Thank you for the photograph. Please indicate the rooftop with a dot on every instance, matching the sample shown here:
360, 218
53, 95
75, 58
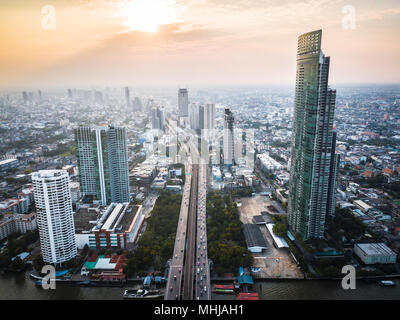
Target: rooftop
116, 217
280, 242
3, 162
85, 219
375, 249
253, 235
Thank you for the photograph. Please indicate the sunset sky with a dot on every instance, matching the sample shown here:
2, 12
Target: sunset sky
192, 42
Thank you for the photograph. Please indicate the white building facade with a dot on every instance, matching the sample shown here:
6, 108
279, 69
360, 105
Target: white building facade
54, 215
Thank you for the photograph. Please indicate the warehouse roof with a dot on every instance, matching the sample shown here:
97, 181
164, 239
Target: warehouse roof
280, 242
259, 220
253, 235
375, 249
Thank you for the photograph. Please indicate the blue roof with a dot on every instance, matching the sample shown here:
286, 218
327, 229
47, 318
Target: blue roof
22, 255
290, 236
61, 273
147, 280
245, 279
328, 253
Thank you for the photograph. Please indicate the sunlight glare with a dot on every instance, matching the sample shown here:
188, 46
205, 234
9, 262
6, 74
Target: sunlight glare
148, 15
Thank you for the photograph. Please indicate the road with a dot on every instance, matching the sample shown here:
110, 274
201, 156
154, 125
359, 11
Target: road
173, 290
202, 287
191, 238
191, 232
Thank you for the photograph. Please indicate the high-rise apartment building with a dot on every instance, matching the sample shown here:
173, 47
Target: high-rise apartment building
137, 104
313, 161
54, 216
201, 117
158, 118
229, 139
183, 103
103, 163
127, 97
209, 116
194, 116
25, 97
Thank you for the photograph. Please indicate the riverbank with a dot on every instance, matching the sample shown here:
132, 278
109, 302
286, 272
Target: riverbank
22, 287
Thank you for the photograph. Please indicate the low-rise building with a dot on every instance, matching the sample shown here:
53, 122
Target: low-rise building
112, 227
268, 163
374, 253
13, 223
8, 164
254, 238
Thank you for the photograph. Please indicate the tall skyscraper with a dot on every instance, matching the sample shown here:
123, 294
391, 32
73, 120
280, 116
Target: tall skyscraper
209, 116
158, 118
25, 97
54, 216
201, 117
333, 176
194, 112
137, 104
312, 170
183, 103
149, 106
98, 97
229, 139
103, 163
127, 97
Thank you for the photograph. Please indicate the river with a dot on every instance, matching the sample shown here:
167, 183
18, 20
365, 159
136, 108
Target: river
22, 287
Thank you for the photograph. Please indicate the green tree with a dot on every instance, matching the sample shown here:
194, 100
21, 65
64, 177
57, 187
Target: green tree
38, 263
5, 261
280, 229
17, 264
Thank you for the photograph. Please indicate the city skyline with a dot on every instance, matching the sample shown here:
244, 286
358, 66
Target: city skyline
200, 150
192, 42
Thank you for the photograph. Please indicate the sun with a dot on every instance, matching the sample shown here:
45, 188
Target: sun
148, 15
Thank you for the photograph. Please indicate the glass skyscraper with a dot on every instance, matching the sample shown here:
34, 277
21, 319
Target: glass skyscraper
313, 169
103, 163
